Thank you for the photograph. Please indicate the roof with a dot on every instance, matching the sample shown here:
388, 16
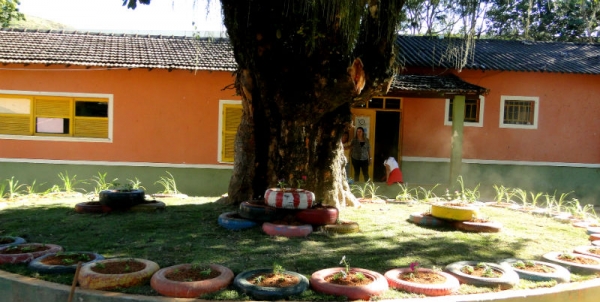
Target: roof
433, 86
115, 50
503, 55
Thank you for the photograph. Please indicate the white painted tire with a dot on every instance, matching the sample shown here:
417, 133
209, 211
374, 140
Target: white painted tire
289, 198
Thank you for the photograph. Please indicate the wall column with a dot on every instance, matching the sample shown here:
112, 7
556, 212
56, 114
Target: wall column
458, 118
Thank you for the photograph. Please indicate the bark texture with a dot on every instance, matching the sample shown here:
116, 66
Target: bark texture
302, 65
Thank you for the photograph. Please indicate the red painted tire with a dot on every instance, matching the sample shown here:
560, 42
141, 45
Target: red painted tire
364, 292
289, 198
194, 289
585, 250
287, 230
426, 220
479, 227
441, 289
343, 227
94, 207
27, 257
92, 280
594, 237
318, 215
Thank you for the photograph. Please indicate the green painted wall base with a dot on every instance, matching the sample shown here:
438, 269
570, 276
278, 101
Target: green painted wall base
190, 181
582, 181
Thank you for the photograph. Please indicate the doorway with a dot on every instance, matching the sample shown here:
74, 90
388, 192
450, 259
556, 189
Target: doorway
387, 141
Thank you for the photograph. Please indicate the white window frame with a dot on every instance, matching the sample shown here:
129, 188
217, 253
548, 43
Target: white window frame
109, 97
220, 130
448, 122
536, 110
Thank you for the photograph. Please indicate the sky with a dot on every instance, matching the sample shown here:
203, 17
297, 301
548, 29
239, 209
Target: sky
168, 16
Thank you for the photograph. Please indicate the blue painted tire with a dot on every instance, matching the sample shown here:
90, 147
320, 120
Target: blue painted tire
15, 240
37, 264
560, 274
268, 293
508, 279
232, 221
426, 220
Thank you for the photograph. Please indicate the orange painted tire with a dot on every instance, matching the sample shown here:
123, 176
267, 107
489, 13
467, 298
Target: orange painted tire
479, 227
289, 198
594, 237
287, 230
440, 289
364, 292
318, 215
94, 207
92, 280
27, 257
585, 250
193, 289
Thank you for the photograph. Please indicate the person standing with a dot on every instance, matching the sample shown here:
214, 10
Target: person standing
360, 154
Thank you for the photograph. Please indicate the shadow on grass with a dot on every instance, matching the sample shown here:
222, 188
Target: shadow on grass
187, 231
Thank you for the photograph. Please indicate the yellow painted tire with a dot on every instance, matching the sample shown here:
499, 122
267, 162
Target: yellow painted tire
451, 212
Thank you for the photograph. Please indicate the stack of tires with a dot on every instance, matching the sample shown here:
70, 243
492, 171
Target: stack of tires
282, 212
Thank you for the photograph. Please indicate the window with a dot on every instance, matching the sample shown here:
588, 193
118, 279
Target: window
519, 112
54, 116
473, 112
383, 103
229, 120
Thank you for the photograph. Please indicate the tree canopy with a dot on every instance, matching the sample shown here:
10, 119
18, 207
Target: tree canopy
9, 11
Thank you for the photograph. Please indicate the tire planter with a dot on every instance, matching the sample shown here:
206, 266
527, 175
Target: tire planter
27, 257
508, 279
258, 211
441, 289
364, 292
37, 264
593, 230
289, 198
242, 284
91, 280
119, 200
560, 274
571, 266
450, 212
92, 207
596, 243
287, 230
149, 206
426, 220
232, 221
193, 289
318, 215
478, 227
594, 237
11, 241
585, 250
343, 227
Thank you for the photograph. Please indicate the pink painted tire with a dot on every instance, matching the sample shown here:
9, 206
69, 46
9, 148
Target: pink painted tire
585, 250
287, 230
594, 237
318, 215
194, 289
92, 280
478, 227
289, 198
441, 289
426, 220
365, 292
27, 257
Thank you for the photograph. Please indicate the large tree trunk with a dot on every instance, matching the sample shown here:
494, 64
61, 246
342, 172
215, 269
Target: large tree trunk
300, 71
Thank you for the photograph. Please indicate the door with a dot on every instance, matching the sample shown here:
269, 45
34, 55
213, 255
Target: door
365, 118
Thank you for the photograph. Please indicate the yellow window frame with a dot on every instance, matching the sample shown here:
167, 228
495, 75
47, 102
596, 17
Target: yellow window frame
231, 117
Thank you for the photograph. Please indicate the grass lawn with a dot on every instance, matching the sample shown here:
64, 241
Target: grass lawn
188, 231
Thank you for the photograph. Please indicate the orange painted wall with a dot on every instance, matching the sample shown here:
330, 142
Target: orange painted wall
159, 116
568, 126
